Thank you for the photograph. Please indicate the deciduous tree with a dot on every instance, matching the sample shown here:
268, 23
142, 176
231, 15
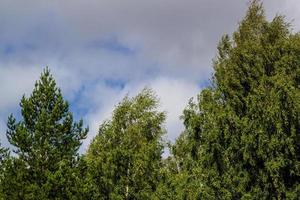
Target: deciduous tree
124, 159
243, 133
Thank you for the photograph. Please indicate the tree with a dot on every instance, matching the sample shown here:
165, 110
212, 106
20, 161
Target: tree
46, 142
180, 170
14, 183
124, 159
242, 135
4, 155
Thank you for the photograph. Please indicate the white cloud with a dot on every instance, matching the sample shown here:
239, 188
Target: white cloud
174, 95
14, 82
172, 44
3, 140
179, 36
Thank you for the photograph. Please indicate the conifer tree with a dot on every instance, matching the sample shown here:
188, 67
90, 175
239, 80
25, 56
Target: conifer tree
243, 133
46, 142
3, 154
3, 158
124, 159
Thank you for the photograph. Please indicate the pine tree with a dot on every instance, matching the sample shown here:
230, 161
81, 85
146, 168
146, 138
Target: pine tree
4, 155
125, 157
46, 141
243, 133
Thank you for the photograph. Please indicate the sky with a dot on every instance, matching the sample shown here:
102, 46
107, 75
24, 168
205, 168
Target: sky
101, 50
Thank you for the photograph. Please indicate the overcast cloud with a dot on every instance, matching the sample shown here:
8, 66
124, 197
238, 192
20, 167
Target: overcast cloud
101, 50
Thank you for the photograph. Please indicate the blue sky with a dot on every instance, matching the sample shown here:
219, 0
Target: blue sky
99, 51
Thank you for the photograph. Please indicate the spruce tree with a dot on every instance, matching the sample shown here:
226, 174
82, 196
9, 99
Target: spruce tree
46, 143
243, 133
124, 159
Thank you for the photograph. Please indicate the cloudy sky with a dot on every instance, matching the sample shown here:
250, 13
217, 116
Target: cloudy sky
101, 50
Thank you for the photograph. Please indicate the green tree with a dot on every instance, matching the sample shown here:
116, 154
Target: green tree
4, 155
178, 173
124, 159
242, 135
46, 143
14, 182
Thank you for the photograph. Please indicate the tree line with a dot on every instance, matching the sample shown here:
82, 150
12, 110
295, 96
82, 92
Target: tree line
241, 137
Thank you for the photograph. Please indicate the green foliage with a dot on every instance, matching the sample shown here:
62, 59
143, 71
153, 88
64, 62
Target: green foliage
124, 159
46, 141
242, 137
4, 156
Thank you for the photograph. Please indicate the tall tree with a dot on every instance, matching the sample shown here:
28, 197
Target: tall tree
124, 159
244, 131
46, 141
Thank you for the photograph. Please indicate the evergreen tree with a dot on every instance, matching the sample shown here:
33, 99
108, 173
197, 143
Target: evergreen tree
124, 159
14, 181
46, 141
3, 154
242, 136
3, 159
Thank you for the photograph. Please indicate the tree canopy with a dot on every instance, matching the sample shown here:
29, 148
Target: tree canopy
45, 140
241, 138
124, 159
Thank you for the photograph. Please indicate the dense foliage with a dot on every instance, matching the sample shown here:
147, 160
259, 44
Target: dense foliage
46, 141
125, 157
241, 137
